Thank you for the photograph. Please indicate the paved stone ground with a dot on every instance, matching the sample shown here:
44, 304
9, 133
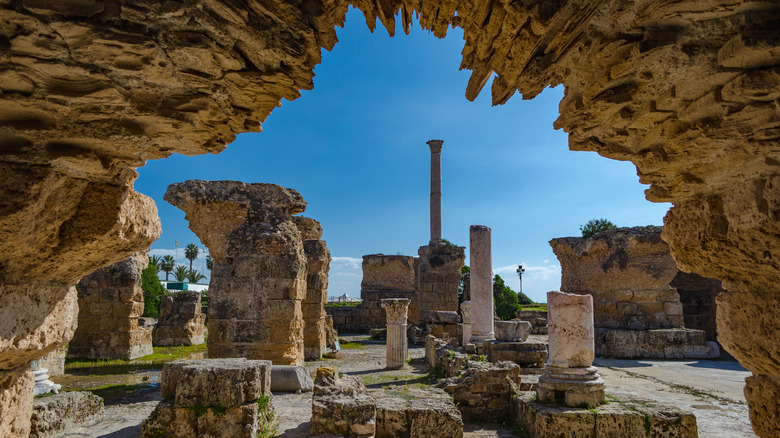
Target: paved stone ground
712, 390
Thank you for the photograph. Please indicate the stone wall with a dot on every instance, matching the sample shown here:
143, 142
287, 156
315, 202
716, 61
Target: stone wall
110, 302
181, 321
685, 90
698, 295
387, 276
258, 278
313, 304
439, 277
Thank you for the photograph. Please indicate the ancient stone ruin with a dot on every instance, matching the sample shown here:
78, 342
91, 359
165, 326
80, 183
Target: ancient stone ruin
396, 309
341, 405
181, 321
313, 304
638, 313
481, 284
684, 90
110, 302
258, 279
210, 398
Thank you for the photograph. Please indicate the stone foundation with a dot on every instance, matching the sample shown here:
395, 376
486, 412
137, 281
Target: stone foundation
525, 354
483, 391
110, 302
341, 406
211, 397
181, 321
258, 280
54, 413
415, 412
615, 420
655, 344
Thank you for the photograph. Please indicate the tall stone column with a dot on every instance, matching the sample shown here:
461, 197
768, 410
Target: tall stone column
481, 284
396, 309
435, 146
569, 377
313, 304
259, 276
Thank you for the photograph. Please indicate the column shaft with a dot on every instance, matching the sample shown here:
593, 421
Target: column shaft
435, 146
481, 284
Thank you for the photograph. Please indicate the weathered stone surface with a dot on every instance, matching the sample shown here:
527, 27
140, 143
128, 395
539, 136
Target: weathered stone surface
655, 344
385, 276
512, 331
438, 278
52, 414
16, 400
168, 420
481, 283
313, 304
290, 378
483, 391
416, 413
615, 420
90, 93
215, 382
537, 319
258, 280
110, 302
181, 321
341, 405
55, 361
440, 317
396, 347
697, 296
525, 354
762, 394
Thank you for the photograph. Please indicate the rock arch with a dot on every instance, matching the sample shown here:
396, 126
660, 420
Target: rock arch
686, 90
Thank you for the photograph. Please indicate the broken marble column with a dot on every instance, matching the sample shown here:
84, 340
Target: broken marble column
396, 309
42, 383
110, 302
258, 278
465, 311
569, 377
435, 146
481, 284
313, 304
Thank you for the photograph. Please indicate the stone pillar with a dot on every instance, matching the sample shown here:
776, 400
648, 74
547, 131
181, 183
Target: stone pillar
313, 305
110, 302
435, 146
259, 275
181, 321
481, 284
396, 309
465, 311
438, 278
569, 377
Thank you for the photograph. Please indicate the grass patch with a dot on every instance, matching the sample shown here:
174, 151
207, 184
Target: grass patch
357, 345
539, 307
155, 360
344, 304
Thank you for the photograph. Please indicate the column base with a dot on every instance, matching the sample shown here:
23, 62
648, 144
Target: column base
573, 387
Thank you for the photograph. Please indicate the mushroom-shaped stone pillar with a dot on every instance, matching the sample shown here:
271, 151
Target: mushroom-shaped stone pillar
396, 309
258, 278
569, 377
481, 284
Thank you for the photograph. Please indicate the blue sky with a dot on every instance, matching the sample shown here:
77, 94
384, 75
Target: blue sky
355, 148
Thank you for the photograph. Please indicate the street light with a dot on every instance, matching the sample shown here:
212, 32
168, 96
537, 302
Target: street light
520, 271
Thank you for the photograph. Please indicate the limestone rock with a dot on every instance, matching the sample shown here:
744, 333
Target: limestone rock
416, 413
290, 378
313, 304
341, 405
483, 391
512, 331
53, 414
439, 277
110, 302
215, 382
181, 321
440, 316
16, 398
258, 280
525, 354
201, 421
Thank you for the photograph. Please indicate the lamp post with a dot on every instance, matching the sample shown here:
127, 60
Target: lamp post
520, 271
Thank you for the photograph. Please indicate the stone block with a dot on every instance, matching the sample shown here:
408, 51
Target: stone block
674, 309
483, 391
512, 331
654, 344
52, 414
290, 378
342, 406
415, 412
215, 382
525, 354
440, 317
168, 420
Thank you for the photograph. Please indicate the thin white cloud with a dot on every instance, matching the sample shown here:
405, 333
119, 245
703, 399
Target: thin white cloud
531, 272
159, 252
346, 263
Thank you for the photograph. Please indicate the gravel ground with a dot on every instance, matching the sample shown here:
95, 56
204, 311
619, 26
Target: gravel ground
709, 389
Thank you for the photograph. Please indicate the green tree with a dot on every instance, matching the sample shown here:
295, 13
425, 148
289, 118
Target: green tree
462, 286
194, 276
594, 226
153, 291
209, 262
505, 299
191, 253
156, 262
167, 264
180, 273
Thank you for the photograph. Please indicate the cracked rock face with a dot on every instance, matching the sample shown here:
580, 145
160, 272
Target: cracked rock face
686, 90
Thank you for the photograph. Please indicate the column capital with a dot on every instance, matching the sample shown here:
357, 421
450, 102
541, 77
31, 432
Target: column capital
396, 309
435, 145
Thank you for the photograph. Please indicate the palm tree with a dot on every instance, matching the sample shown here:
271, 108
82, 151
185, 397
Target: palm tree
156, 262
167, 264
180, 273
194, 276
191, 253
209, 262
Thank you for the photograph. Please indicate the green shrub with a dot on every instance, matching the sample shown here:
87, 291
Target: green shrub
594, 226
153, 291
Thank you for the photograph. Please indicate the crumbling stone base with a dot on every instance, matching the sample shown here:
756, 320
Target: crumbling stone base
211, 397
341, 406
525, 354
615, 420
415, 412
678, 343
571, 386
483, 391
53, 414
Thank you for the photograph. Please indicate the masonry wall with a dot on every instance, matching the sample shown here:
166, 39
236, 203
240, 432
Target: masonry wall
386, 276
439, 278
